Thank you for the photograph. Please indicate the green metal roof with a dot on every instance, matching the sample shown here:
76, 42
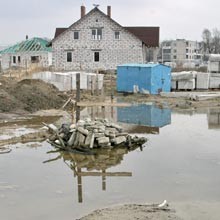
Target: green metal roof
33, 45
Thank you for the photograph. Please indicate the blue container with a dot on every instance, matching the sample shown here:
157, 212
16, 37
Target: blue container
154, 78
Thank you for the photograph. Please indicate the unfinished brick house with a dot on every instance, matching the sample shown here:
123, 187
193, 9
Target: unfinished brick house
97, 42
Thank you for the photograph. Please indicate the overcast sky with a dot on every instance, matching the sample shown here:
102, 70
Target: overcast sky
176, 19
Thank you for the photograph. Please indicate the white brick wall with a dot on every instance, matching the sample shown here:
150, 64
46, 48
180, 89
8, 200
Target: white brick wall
112, 52
7, 59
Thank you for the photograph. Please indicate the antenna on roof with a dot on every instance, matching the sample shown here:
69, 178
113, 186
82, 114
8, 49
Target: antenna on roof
95, 5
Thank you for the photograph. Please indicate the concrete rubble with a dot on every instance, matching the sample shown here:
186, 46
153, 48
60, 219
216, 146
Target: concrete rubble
88, 134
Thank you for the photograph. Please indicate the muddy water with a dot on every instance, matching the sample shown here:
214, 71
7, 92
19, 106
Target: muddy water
180, 163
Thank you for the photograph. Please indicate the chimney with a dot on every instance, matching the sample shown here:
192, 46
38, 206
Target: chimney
109, 11
26, 37
83, 11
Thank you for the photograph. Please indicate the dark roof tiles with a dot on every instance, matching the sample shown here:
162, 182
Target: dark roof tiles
148, 35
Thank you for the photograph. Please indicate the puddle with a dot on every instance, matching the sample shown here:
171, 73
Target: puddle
180, 164
15, 128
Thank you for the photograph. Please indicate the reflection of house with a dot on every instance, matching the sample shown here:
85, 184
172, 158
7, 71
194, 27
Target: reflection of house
147, 115
96, 41
26, 53
214, 118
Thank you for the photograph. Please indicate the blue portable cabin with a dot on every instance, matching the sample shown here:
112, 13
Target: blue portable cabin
154, 78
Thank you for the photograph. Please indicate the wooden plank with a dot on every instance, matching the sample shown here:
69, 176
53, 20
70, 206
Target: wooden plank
122, 174
113, 104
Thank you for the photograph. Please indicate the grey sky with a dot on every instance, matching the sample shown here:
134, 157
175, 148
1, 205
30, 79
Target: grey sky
176, 19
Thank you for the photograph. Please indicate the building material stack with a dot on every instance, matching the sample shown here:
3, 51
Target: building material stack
214, 69
87, 134
185, 80
67, 81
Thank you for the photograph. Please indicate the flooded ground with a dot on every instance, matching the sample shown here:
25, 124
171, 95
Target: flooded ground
179, 163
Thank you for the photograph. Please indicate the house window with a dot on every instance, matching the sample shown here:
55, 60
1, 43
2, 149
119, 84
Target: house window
186, 56
35, 59
69, 57
76, 35
96, 56
117, 35
174, 57
14, 59
19, 59
97, 34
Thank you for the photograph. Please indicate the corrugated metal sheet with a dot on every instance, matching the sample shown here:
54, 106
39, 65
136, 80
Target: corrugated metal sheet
34, 44
152, 78
148, 65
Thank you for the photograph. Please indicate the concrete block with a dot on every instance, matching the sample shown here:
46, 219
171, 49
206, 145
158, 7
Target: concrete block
119, 140
81, 139
83, 131
173, 84
214, 82
186, 84
202, 81
72, 139
103, 140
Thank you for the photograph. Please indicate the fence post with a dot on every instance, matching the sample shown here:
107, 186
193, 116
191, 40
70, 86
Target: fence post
77, 96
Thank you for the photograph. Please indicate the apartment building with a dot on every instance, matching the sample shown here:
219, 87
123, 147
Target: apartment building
181, 52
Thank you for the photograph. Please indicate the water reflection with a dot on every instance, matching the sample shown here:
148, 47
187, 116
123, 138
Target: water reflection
213, 115
214, 118
139, 118
95, 165
144, 118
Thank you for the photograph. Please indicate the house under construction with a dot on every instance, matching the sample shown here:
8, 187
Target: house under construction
31, 52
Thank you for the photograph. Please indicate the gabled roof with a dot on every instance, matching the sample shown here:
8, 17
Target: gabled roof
32, 45
59, 31
148, 35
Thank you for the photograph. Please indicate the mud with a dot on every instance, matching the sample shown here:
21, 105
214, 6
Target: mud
133, 211
28, 96
26, 138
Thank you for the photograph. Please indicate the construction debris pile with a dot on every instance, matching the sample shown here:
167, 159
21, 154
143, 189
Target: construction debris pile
88, 134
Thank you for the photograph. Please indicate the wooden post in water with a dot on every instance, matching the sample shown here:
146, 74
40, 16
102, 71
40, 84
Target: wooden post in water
77, 96
103, 181
79, 183
97, 84
103, 111
93, 85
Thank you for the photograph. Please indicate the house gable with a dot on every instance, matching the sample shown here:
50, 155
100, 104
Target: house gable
96, 42
148, 35
94, 19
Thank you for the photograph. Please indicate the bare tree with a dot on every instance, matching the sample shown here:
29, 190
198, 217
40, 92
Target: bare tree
207, 40
215, 41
